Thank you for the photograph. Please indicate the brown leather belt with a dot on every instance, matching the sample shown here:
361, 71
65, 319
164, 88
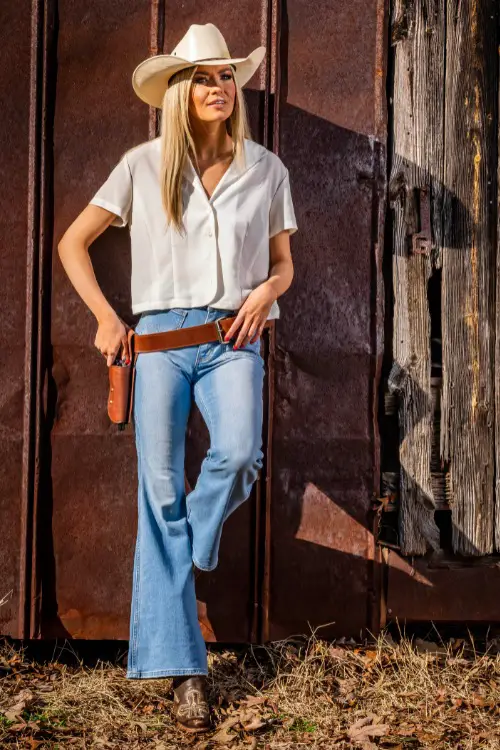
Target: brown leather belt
121, 394
190, 336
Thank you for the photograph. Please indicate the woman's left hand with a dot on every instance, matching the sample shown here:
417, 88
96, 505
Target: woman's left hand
252, 315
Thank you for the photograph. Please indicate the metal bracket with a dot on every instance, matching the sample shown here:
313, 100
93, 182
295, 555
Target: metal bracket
422, 241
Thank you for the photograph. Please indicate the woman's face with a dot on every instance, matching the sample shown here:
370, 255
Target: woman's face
213, 93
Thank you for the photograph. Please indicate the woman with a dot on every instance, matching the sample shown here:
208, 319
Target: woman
210, 214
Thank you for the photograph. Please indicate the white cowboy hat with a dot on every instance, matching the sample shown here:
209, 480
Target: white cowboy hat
200, 44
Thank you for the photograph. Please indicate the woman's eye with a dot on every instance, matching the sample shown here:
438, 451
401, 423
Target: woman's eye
204, 81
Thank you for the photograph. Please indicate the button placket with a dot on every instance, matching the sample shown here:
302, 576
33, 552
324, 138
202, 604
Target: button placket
210, 230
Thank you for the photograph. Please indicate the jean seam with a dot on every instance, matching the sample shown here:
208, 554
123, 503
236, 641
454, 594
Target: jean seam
137, 599
164, 672
206, 568
212, 566
208, 457
211, 431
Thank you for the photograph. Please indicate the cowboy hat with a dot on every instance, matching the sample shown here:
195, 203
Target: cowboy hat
202, 43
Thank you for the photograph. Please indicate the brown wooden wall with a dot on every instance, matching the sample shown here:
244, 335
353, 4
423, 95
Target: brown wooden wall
444, 164
444, 371
301, 552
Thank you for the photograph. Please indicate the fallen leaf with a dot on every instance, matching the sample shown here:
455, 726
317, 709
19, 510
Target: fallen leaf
365, 728
18, 727
254, 700
441, 695
253, 724
229, 722
481, 701
222, 736
22, 700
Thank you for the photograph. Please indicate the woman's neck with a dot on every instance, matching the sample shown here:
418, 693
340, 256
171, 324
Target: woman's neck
211, 142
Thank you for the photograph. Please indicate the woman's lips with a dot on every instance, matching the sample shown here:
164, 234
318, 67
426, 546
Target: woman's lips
217, 104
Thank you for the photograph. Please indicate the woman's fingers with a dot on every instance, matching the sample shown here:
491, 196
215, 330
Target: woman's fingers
125, 347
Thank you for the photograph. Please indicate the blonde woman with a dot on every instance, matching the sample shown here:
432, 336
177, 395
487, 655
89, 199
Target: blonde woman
210, 214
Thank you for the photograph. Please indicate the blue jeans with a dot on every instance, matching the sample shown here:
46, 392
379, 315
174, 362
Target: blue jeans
174, 529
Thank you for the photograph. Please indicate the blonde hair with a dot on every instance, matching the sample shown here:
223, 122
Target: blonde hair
176, 139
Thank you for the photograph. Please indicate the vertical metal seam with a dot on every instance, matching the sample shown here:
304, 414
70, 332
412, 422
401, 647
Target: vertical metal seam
32, 247
376, 594
156, 34
272, 144
259, 521
43, 424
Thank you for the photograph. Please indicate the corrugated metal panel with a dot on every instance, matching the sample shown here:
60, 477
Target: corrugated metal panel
97, 117
327, 349
18, 332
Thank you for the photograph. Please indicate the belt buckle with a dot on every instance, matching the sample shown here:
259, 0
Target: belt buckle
220, 331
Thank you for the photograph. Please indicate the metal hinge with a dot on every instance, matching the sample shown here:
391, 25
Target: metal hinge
422, 241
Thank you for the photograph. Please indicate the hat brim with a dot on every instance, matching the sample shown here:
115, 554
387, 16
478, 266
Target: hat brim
150, 78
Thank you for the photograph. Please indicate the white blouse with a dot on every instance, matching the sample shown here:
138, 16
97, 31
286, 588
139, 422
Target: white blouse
224, 253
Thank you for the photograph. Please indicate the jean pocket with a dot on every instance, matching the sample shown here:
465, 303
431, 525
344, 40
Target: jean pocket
159, 321
178, 311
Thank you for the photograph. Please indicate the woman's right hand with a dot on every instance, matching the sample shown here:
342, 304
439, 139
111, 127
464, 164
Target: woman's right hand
111, 335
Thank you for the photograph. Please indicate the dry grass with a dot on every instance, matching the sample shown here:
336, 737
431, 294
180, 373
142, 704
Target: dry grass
297, 693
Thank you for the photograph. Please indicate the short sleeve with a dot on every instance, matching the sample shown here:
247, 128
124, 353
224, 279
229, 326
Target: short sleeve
281, 213
116, 193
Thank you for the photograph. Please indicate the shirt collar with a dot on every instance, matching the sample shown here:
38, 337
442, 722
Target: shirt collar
254, 152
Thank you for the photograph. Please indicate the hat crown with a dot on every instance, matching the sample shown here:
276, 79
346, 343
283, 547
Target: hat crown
202, 42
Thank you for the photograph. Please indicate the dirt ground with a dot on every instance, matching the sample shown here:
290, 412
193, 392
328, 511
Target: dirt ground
397, 692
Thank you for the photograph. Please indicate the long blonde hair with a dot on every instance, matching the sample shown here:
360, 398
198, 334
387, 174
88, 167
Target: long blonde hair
177, 139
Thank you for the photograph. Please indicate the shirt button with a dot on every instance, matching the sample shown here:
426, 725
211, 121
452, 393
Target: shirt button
209, 232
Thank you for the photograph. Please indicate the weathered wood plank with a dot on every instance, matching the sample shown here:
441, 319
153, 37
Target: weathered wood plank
417, 163
468, 303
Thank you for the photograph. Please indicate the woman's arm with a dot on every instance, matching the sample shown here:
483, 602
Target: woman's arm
281, 265
252, 315
74, 255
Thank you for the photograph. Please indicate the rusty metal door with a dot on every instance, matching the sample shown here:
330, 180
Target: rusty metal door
301, 552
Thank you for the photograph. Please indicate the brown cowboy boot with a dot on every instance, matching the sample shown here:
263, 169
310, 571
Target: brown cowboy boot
190, 703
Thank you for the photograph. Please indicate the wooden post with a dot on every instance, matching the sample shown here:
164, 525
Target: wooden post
416, 196
468, 290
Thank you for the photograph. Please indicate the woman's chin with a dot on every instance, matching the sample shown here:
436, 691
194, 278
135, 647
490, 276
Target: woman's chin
217, 115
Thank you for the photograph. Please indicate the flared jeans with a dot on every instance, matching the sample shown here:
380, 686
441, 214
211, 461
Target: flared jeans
175, 530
